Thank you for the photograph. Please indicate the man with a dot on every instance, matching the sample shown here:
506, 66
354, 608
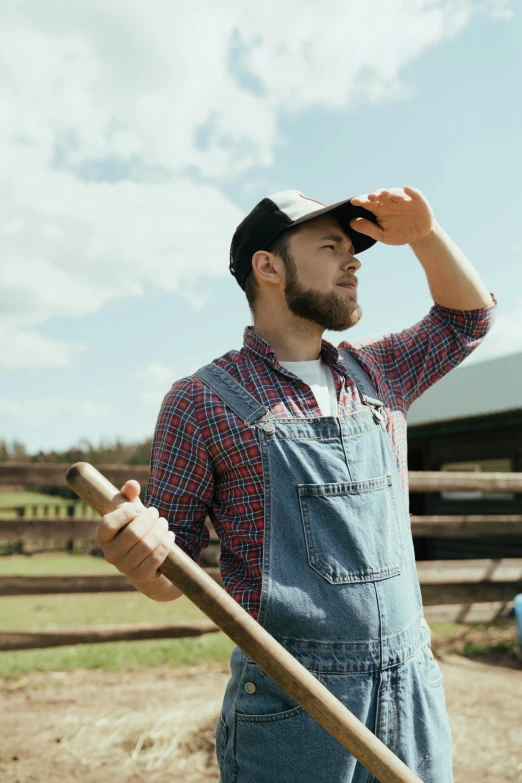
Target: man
297, 451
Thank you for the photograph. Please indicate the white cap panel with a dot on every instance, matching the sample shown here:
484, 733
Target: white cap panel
294, 204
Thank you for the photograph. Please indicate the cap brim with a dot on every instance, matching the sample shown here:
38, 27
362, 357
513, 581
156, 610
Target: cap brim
344, 211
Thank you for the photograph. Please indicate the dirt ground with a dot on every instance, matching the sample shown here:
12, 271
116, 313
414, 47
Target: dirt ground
128, 727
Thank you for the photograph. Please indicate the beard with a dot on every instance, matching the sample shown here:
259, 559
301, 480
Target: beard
335, 311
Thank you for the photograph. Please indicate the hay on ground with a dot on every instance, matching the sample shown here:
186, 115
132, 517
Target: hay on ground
180, 740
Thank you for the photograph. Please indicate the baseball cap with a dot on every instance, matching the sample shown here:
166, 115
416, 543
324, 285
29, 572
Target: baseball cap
280, 211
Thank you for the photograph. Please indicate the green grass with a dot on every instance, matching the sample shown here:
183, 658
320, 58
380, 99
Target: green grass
26, 612
54, 563
495, 640
31, 499
440, 631
471, 650
116, 656
57, 611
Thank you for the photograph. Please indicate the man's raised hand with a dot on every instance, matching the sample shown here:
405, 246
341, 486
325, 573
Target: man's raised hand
403, 215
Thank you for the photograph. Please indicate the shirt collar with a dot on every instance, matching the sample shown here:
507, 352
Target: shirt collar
263, 350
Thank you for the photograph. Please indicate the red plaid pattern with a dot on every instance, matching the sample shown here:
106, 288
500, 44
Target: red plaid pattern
205, 461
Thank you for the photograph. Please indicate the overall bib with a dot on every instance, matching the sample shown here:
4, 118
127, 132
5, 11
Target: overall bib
340, 591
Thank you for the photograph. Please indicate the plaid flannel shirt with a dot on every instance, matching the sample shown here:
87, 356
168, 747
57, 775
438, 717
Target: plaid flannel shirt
205, 461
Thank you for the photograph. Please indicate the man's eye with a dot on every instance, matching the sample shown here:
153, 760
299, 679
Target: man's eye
332, 246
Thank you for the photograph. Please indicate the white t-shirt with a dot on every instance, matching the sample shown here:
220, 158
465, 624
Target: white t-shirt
318, 375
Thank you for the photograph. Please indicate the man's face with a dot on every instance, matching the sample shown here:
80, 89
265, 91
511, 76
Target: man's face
316, 285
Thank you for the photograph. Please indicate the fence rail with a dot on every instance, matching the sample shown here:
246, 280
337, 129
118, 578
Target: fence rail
96, 634
53, 475
93, 634
462, 578
448, 526
466, 526
90, 583
452, 590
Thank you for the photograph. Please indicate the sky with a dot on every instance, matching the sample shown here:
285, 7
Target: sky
134, 137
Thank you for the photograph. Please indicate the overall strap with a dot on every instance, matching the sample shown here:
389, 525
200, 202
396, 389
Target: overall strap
362, 380
232, 393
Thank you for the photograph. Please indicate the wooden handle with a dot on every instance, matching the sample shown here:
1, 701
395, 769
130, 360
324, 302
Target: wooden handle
255, 641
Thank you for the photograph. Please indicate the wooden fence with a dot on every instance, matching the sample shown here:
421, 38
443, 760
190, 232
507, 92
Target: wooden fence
452, 590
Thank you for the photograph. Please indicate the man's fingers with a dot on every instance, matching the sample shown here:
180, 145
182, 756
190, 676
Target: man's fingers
395, 195
131, 489
111, 523
144, 559
367, 199
385, 195
414, 193
359, 201
364, 226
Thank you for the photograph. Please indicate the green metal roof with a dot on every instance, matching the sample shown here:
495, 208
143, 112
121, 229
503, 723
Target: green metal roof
480, 389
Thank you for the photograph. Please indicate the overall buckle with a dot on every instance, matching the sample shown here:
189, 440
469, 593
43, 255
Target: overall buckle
374, 406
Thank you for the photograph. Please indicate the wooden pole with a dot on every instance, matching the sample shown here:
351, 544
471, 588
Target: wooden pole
255, 641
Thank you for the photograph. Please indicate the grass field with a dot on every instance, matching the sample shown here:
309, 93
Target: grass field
42, 504
51, 611
58, 563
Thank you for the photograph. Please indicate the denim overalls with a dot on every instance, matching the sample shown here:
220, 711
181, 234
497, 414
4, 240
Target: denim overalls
340, 591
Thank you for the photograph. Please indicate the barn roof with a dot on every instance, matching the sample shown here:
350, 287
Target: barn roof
480, 389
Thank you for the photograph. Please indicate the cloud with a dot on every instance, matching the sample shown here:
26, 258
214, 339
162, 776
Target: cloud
156, 372
156, 375
48, 408
152, 399
79, 246
121, 133
22, 348
499, 9
505, 336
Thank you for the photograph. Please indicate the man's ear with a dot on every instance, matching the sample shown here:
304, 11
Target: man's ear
267, 266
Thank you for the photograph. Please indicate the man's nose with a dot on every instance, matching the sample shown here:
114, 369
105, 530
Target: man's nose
351, 262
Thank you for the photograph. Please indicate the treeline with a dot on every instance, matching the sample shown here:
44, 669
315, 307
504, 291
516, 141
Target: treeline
117, 453
104, 453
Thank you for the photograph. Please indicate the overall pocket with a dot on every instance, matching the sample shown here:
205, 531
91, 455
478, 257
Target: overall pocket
261, 700
221, 741
428, 666
352, 530
273, 733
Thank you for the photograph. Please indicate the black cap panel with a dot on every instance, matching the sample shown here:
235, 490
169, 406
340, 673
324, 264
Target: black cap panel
258, 229
348, 212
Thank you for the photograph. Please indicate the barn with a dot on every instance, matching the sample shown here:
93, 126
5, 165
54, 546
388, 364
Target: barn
470, 420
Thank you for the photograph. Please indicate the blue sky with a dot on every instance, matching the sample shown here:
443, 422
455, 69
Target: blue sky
131, 150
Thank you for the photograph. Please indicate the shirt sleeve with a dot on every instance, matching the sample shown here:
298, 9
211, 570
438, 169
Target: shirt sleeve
413, 360
181, 479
